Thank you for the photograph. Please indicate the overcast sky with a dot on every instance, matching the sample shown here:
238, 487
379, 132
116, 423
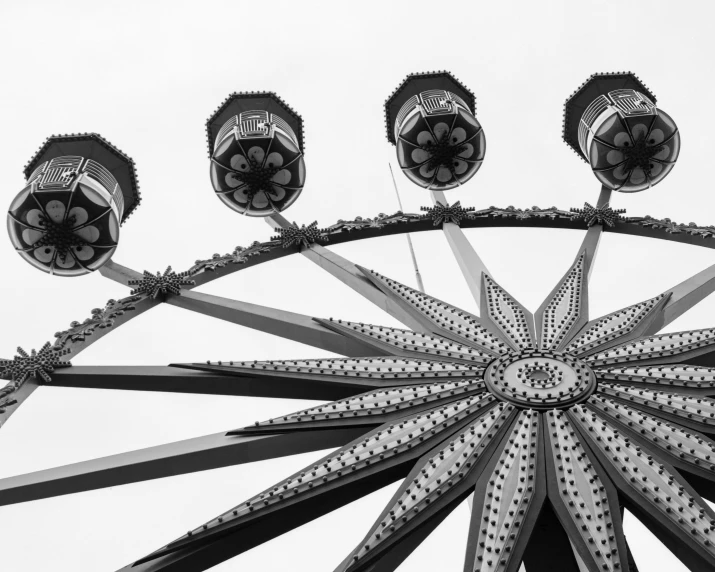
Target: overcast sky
146, 75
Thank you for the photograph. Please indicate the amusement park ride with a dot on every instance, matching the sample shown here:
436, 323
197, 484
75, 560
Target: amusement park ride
552, 422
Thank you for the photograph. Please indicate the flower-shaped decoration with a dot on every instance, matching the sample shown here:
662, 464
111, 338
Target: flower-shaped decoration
66, 232
598, 215
633, 153
440, 149
102, 318
159, 285
301, 236
534, 415
37, 364
258, 176
441, 214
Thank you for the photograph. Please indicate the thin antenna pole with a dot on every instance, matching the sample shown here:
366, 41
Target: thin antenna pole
420, 285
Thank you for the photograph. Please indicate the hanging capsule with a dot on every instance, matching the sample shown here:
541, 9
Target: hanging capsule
612, 121
430, 119
79, 190
256, 150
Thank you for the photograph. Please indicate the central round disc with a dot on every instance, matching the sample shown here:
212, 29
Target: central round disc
540, 379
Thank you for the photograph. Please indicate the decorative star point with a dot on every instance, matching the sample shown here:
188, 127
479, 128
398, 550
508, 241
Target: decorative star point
302, 236
598, 215
441, 214
38, 364
161, 285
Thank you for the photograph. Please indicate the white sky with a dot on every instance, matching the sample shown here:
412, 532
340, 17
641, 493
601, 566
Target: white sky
146, 75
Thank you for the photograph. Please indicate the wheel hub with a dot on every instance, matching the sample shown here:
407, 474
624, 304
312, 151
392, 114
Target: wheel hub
540, 379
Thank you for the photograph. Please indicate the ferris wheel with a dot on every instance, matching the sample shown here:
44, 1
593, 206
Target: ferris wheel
551, 423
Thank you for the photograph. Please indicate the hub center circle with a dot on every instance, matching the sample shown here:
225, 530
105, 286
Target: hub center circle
540, 379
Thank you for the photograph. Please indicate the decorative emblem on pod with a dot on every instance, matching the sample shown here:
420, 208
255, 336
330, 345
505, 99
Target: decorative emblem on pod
256, 149
79, 190
430, 118
612, 121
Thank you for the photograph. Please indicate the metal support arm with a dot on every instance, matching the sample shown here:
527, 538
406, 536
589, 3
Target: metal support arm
181, 457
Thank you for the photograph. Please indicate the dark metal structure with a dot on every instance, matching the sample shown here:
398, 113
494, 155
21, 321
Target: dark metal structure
79, 190
256, 148
552, 423
430, 118
613, 123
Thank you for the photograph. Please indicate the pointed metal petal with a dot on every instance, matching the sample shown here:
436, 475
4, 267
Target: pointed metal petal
409, 343
657, 349
365, 372
656, 493
506, 316
698, 413
507, 500
686, 450
372, 408
565, 310
583, 498
356, 469
440, 317
439, 481
619, 327
679, 377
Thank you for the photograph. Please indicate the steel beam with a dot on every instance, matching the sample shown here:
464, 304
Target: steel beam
119, 273
349, 274
178, 458
288, 325
593, 235
179, 379
689, 293
471, 265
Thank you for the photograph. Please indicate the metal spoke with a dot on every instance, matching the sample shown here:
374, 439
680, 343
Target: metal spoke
189, 378
288, 325
565, 310
506, 317
119, 273
583, 498
358, 468
507, 499
660, 349
688, 451
349, 376
178, 458
372, 408
349, 274
655, 492
618, 327
697, 413
438, 316
469, 262
687, 294
683, 378
438, 482
394, 341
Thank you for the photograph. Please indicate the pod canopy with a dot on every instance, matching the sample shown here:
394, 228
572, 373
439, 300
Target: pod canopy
66, 219
613, 123
257, 165
440, 144
93, 146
